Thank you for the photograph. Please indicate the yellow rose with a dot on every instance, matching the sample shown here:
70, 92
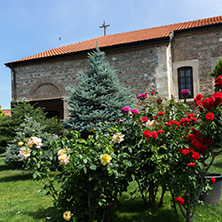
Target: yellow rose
61, 152
67, 215
105, 159
20, 143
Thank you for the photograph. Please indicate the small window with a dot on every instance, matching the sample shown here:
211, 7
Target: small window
185, 80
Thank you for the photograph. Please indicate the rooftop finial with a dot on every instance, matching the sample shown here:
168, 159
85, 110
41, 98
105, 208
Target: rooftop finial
104, 26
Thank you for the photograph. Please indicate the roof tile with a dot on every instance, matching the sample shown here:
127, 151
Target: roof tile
123, 38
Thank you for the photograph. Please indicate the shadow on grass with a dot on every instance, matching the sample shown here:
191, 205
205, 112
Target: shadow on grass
14, 178
218, 165
50, 214
135, 211
5, 167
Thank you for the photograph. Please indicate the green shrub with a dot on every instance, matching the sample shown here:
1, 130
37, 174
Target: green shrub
93, 174
28, 128
9, 125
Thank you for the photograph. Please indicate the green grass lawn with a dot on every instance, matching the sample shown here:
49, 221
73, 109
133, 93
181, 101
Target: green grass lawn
21, 200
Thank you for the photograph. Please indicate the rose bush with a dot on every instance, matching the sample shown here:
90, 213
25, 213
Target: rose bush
161, 144
93, 173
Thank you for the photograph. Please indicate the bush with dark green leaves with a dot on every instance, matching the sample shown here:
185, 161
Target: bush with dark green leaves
28, 128
9, 125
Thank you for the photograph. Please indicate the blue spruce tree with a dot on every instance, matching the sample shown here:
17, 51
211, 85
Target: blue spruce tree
98, 97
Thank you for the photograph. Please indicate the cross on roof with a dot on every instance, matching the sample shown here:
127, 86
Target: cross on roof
104, 26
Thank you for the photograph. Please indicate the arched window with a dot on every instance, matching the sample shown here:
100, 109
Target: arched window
185, 80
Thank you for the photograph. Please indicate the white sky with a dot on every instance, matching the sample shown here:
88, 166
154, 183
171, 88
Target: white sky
33, 26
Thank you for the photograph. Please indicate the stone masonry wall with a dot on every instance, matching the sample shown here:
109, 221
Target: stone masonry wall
140, 69
202, 47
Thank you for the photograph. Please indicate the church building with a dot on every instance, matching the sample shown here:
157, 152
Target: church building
166, 59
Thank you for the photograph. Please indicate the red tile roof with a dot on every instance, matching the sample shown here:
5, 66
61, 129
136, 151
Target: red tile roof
124, 38
7, 112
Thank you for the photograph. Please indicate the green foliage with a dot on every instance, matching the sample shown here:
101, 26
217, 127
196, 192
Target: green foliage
27, 128
1, 113
89, 185
10, 124
218, 69
98, 97
152, 157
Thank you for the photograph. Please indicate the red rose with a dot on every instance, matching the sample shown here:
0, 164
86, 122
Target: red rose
191, 164
193, 120
198, 97
154, 134
199, 104
212, 180
147, 133
185, 122
196, 132
185, 152
190, 115
179, 200
154, 117
144, 119
196, 143
208, 140
193, 137
160, 113
196, 156
207, 104
191, 149
160, 131
209, 116
217, 99
205, 164
218, 81
203, 148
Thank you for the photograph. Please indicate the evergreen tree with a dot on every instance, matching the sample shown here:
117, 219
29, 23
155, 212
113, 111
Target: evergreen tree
98, 97
218, 69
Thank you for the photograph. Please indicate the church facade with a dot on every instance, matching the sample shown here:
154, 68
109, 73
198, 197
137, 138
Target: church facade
166, 59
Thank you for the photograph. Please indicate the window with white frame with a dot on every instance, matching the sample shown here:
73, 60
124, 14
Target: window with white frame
185, 80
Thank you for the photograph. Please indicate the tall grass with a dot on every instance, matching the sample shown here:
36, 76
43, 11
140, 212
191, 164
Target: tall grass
21, 200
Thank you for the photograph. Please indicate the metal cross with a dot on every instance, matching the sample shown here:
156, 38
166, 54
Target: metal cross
104, 26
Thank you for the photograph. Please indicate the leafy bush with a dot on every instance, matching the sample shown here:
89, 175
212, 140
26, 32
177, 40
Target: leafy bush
93, 173
9, 125
160, 145
28, 128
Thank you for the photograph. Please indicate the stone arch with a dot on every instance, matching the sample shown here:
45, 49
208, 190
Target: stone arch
46, 88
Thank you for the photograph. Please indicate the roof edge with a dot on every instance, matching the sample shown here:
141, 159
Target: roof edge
117, 46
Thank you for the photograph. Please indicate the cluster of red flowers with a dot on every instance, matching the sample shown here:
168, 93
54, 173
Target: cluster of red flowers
154, 134
189, 120
199, 143
214, 101
172, 122
218, 82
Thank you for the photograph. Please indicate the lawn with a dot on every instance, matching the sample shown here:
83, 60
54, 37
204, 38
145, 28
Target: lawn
21, 200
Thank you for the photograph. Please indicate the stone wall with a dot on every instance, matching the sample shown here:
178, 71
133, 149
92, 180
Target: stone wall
140, 69
198, 48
